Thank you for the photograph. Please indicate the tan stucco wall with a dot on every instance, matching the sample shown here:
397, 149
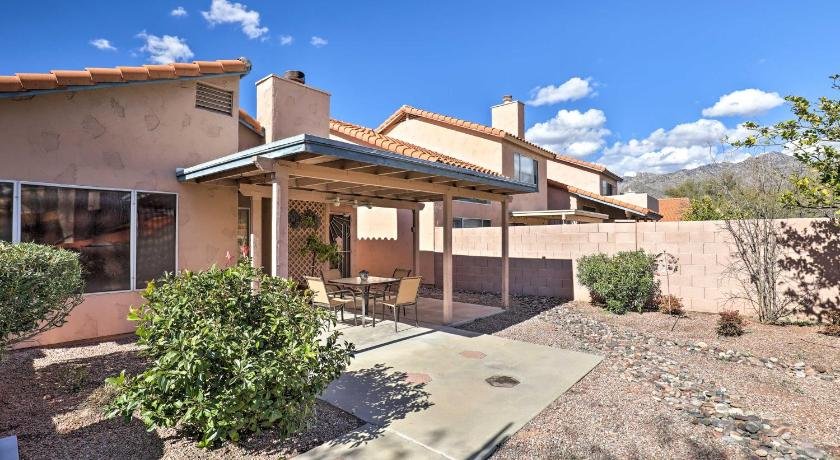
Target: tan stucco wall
131, 137
248, 138
286, 108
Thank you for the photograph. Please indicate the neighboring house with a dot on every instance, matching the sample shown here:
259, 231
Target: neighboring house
673, 209
569, 189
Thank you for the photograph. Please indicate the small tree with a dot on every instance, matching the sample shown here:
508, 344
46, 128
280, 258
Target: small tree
625, 281
320, 252
39, 286
227, 359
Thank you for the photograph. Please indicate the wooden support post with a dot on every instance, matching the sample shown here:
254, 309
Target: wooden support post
256, 231
280, 223
447, 259
415, 231
505, 255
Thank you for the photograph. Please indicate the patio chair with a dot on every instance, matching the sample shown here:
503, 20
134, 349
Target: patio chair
334, 274
407, 291
324, 299
388, 290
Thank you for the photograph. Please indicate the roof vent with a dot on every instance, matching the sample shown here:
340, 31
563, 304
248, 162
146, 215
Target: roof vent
215, 99
296, 76
507, 98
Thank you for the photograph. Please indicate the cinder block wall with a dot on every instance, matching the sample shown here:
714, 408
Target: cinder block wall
543, 259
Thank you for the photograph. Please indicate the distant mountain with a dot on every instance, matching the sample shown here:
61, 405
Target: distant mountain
656, 184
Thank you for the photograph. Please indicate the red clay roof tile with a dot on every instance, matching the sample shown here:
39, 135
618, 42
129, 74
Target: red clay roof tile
63, 79
673, 209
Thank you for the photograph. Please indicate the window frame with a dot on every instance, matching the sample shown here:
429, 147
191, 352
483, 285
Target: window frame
517, 168
489, 222
16, 222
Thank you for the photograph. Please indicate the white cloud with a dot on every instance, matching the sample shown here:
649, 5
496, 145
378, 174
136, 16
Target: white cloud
225, 12
573, 89
103, 44
286, 40
685, 146
744, 102
178, 12
318, 42
571, 132
165, 49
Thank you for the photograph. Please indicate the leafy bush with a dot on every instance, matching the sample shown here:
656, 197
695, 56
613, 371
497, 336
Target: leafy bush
625, 281
39, 286
730, 323
833, 326
228, 359
670, 305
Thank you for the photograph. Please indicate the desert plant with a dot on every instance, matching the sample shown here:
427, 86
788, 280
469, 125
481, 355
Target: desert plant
39, 286
227, 359
730, 323
832, 328
625, 281
320, 252
670, 305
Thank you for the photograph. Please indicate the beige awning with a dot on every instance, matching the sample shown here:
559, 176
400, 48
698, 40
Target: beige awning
565, 215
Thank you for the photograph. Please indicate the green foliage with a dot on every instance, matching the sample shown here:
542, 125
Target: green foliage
730, 323
812, 137
707, 208
228, 359
625, 281
39, 286
320, 252
701, 188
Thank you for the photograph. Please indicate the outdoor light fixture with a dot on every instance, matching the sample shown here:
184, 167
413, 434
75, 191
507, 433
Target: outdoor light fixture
337, 202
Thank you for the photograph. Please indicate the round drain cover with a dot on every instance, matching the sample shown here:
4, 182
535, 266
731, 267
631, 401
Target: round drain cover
502, 381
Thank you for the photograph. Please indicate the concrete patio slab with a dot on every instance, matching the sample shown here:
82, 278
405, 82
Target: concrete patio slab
429, 386
431, 313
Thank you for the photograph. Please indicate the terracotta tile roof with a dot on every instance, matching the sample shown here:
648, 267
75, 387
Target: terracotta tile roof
407, 110
374, 139
65, 79
647, 212
250, 122
673, 209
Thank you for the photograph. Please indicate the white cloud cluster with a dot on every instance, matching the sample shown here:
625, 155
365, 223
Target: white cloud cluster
744, 102
318, 42
165, 49
225, 12
685, 146
178, 12
573, 89
286, 40
103, 44
571, 132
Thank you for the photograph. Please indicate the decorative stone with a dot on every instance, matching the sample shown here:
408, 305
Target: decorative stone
752, 427
761, 452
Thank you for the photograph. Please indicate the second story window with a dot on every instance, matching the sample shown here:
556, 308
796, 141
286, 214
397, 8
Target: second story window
524, 168
607, 188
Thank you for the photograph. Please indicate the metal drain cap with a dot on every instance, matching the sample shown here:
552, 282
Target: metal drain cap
502, 381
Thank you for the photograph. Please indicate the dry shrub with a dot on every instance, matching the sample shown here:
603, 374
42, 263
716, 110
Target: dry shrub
670, 305
832, 328
730, 323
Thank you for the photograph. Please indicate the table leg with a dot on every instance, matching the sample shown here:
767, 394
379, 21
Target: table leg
365, 297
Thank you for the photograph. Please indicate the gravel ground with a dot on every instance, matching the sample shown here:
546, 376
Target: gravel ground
52, 399
684, 394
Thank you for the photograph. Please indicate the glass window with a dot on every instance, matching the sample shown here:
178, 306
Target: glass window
156, 234
607, 188
467, 222
6, 195
94, 223
524, 168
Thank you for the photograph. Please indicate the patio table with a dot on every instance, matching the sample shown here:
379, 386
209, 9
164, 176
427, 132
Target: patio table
364, 285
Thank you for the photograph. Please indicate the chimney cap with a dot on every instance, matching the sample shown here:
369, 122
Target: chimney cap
507, 98
295, 75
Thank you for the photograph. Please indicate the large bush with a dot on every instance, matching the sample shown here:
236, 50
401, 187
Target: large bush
39, 286
624, 281
228, 359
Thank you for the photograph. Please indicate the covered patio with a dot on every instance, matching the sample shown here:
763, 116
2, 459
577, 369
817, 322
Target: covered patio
321, 171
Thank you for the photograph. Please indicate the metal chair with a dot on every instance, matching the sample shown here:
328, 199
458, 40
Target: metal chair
407, 291
388, 290
324, 299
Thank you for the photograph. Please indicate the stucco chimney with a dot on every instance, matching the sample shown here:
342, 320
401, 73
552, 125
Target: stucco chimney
287, 106
509, 116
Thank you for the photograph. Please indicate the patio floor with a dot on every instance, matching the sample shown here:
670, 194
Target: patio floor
423, 391
431, 313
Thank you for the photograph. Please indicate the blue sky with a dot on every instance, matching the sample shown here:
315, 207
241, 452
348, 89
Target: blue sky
638, 75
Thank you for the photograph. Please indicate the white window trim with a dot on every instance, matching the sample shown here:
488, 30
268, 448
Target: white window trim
16, 223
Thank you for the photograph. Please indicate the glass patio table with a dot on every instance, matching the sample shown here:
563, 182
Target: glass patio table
364, 286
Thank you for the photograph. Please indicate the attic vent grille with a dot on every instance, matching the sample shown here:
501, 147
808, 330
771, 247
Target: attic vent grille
212, 98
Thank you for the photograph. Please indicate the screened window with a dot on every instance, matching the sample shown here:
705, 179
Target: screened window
156, 235
524, 168
94, 223
6, 197
467, 222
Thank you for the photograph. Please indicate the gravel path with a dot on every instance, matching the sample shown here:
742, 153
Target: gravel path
685, 394
52, 399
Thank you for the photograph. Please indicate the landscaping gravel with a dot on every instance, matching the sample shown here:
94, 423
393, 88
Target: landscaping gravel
772, 393
52, 399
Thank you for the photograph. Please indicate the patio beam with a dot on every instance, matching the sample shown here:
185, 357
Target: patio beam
505, 255
280, 223
447, 259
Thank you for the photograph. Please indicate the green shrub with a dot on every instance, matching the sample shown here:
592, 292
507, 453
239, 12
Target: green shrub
39, 286
625, 281
226, 359
730, 323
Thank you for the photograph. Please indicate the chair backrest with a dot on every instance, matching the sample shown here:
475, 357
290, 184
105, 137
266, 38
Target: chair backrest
331, 274
319, 290
400, 273
408, 289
